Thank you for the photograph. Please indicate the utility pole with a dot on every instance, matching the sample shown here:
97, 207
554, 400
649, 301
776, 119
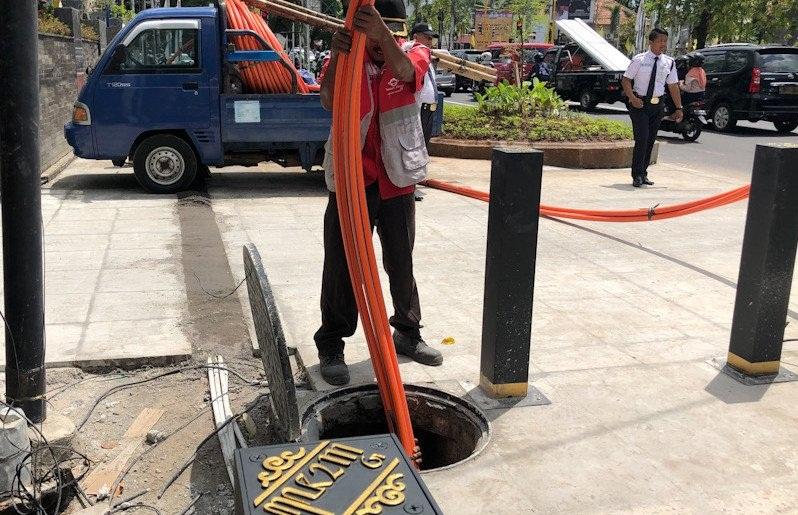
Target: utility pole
20, 196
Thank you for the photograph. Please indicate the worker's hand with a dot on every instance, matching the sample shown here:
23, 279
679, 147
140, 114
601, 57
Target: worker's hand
416, 457
369, 21
679, 116
636, 102
341, 41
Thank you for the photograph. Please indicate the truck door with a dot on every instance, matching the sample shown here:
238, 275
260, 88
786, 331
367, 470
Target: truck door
153, 81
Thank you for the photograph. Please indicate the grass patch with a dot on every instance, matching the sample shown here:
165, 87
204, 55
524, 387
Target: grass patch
464, 122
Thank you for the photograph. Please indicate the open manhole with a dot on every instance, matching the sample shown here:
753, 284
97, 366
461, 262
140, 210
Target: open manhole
450, 430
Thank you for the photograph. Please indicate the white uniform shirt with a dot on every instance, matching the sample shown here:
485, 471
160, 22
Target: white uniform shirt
429, 91
639, 71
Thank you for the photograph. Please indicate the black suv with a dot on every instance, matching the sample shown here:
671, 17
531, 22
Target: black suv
752, 82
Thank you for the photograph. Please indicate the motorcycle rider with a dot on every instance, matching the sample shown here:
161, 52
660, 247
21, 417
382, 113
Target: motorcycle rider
695, 82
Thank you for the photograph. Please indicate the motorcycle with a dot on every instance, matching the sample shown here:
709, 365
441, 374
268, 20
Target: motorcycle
692, 122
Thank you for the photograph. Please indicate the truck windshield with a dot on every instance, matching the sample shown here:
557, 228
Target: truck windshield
786, 62
157, 48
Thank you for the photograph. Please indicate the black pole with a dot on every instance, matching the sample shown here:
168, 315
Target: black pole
766, 263
515, 179
20, 194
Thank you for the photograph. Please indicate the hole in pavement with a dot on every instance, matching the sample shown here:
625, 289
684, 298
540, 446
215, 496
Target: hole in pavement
449, 429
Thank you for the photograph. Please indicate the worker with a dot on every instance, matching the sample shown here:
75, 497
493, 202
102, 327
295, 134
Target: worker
423, 34
644, 84
394, 160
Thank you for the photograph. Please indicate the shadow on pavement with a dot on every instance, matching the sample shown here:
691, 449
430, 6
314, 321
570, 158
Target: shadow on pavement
222, 183
728, 390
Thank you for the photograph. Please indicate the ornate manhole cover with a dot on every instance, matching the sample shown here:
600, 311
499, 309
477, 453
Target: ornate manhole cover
273, 351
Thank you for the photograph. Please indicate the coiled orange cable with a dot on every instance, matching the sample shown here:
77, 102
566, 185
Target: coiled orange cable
356, 233
628, 215
262, 77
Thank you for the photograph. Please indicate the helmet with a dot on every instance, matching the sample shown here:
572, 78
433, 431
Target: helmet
695, 59
538, 57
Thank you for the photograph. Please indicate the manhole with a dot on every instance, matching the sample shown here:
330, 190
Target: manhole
450, 430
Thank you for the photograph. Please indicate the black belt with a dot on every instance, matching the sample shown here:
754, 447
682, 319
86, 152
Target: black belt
429, 107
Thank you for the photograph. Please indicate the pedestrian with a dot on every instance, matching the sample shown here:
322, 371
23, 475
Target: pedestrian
644, 84
423, 34
394, 160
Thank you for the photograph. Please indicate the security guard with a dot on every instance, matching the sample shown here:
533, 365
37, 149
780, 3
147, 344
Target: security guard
422, 33
644, 86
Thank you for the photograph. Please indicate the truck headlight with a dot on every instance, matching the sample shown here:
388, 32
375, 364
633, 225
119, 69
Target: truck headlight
81, 114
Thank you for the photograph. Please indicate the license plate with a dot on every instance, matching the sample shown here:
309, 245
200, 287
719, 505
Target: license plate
789, 89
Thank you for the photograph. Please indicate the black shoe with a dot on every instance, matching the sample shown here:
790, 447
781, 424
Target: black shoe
334, 370
647, 182
417, 350
637, 182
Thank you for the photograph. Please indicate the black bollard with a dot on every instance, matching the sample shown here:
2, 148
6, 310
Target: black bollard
20, 188
515, 179
767, 261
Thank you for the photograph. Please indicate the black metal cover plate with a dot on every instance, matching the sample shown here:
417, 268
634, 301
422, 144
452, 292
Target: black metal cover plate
347, 476
273, 350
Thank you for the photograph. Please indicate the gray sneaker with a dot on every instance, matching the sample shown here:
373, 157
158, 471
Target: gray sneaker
334, 370
417, 350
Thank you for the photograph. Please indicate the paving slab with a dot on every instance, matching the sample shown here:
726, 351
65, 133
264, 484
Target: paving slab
115, 292
625, 318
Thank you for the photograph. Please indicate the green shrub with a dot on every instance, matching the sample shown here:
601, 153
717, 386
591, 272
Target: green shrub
508, 100
463, 122
49, 24
88, 32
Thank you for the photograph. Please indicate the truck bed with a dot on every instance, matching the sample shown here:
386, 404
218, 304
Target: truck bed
248, 121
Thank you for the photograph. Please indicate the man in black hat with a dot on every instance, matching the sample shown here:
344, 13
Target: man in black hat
394, 161
423, 34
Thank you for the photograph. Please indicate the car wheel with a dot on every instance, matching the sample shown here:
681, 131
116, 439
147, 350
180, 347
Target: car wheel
785, 127
588, 100
723, 118
692, 130
164, 164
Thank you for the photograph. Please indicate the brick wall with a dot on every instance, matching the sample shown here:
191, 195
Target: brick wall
59, 82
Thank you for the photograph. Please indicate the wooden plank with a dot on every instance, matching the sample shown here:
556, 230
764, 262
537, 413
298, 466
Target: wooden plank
218, 388
106, 473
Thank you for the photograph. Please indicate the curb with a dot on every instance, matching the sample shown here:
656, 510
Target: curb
54, 170
603, 154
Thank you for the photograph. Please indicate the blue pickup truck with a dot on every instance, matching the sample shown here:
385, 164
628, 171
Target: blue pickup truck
167, 94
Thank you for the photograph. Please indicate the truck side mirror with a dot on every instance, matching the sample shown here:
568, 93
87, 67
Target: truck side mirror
117, 58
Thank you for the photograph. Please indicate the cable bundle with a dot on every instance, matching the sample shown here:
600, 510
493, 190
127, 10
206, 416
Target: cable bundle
356, 233
623, 215
262, 77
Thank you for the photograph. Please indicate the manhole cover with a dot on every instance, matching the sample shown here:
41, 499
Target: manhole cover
273, 351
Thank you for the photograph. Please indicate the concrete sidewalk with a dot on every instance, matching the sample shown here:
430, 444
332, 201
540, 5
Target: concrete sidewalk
625, 318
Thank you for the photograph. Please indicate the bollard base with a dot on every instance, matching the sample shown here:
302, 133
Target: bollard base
501, 391
783, 375
762, 368
532, 397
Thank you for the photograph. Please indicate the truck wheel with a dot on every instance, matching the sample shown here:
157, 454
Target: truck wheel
164, 164
785, 127
588, 100
722, 118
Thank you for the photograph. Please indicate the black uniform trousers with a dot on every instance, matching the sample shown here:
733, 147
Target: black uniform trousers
427, 121
645, 125
395, 220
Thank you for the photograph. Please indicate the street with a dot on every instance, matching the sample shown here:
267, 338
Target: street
729, 154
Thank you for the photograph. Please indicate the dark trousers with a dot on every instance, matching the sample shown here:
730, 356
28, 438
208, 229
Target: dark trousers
395, 220
427, 119
645, 124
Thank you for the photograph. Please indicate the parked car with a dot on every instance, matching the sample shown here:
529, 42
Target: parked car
464, 83
752, 82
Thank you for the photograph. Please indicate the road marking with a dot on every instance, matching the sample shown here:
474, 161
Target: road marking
458, 103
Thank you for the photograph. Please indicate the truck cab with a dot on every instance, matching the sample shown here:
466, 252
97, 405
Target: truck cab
166, 94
